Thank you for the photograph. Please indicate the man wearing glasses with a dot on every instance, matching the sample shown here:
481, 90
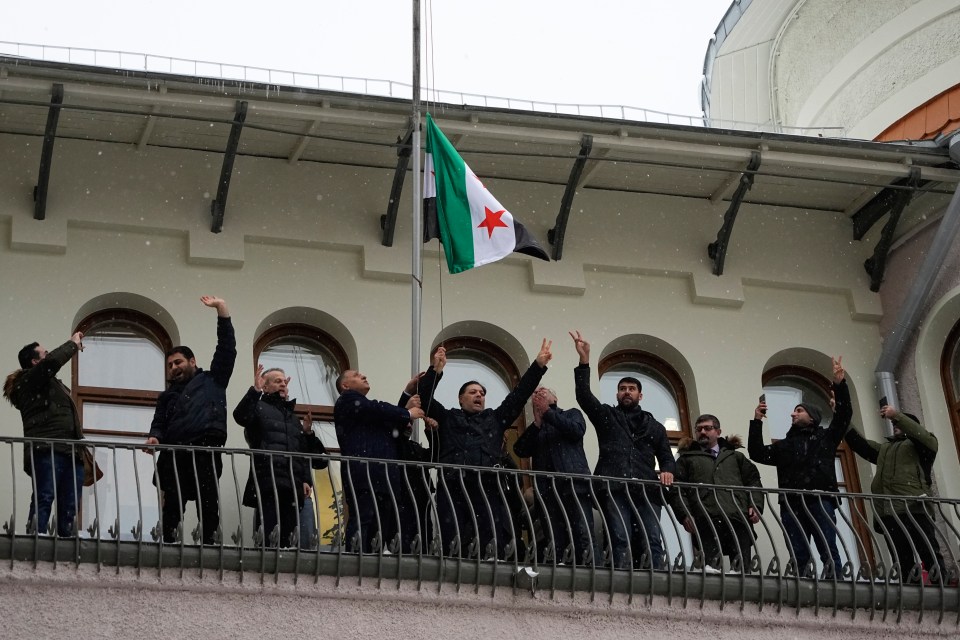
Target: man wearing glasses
719, 520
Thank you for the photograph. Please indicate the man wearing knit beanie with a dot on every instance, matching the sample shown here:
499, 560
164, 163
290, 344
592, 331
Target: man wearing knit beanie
805, 460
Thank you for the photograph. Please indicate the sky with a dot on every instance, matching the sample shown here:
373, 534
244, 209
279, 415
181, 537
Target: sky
640, 53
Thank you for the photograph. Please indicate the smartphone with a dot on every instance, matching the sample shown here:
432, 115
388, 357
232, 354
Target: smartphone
883, 402
763, 400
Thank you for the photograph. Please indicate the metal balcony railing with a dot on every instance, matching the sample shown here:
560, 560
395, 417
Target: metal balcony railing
488, 528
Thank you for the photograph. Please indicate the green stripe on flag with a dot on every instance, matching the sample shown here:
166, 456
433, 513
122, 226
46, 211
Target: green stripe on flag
453, 207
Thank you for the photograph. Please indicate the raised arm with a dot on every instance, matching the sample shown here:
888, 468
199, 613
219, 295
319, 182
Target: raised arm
225, 355
866, 449
912, 429
427, 384
51, 365
512, 405
843, 410
581, 379
759, 452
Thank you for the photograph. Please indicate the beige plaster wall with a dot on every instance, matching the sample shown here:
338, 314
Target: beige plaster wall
124, 222
42, 603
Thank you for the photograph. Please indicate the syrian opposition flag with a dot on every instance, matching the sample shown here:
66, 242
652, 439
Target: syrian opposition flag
473, 227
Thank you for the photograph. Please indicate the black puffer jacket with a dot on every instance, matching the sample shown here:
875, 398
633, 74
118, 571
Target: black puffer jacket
805, 459
270, 424
197, 410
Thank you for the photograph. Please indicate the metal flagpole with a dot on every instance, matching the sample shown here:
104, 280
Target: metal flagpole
416, 269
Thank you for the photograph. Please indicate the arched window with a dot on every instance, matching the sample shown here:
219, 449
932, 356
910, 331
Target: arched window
476, 359
313, 360
663, 391
950, 375
787, 386
117, 379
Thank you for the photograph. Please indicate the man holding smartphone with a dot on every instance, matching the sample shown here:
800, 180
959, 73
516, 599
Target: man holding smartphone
904, 464
805, 460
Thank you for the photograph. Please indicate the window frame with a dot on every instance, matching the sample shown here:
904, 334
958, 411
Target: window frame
108, 395
950, 382
663, 368
320, 412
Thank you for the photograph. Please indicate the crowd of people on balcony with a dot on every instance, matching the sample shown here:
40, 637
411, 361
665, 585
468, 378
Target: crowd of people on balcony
392, 502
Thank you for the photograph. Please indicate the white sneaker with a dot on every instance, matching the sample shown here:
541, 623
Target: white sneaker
710, 570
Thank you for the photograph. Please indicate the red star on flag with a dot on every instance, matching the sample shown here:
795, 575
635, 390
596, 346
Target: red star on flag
492, 221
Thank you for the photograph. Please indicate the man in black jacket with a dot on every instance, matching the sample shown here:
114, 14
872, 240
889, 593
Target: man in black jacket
372, 429
193, 411
473, 435
806, 459
278, 482
629, 438
554, 440
47, 410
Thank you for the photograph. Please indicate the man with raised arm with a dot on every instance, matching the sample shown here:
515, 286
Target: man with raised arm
380, 513
904, 464
193, 411
278, 483
806, 459
554, 442
47, 411
630, 440
473, 435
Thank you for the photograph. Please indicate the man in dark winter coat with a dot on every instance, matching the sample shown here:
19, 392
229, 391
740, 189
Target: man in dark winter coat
806, 459
630, 439
904, 464
372, 429
554, 441
473, 435
193, 411
278, 483
47, 410
719, 520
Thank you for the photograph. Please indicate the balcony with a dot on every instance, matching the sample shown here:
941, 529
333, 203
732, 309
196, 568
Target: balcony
121, 524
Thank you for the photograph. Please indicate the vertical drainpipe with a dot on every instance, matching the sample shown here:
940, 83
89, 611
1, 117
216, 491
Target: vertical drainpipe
909, 316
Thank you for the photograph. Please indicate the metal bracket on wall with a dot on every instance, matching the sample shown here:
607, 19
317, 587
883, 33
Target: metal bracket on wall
219, 205
46, 154
876, 264
559, 231
388, 221
717, 250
